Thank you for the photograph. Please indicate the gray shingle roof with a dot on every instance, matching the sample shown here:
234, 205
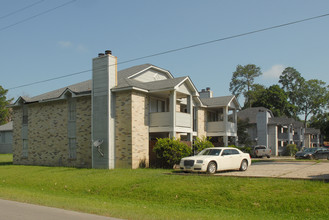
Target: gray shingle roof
86, 86
217, 101
312, 131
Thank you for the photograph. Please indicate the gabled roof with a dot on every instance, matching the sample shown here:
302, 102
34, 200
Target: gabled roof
312, 131
286, 121
85, 87
219, 101
7, 127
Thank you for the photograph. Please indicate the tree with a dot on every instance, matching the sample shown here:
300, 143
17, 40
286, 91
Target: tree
201, 143
4, 111
170, 151
243, 79
312, 98
255, 94
243, 136
275, 99
292, 81
321, 121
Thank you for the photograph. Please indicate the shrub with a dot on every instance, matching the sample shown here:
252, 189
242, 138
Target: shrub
170, 151
246, 149
291, 149
201, 143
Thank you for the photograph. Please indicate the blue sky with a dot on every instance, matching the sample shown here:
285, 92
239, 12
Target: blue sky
65, 40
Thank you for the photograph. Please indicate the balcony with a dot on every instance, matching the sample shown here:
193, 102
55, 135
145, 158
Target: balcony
283, 136
219, 126
162, 119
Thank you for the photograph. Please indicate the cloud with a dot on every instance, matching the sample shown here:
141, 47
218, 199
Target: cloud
70, 45
274, 72
65, 44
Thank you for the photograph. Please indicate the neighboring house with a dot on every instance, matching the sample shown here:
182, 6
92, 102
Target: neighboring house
274, 132
312, 137
109, 121
6, 138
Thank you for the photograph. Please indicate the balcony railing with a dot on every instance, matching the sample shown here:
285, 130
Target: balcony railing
219, 126
162, 119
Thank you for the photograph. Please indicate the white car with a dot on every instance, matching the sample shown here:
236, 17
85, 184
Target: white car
215, 159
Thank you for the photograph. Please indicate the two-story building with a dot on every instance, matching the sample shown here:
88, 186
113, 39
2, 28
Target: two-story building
108, 122
277, 132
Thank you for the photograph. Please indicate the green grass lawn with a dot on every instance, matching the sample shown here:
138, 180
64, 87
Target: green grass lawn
152, 194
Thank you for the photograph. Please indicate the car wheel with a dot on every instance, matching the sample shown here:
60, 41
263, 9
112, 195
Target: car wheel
268, 156
244, 165
212, 167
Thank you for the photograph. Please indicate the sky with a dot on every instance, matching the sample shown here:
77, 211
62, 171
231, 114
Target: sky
44, 39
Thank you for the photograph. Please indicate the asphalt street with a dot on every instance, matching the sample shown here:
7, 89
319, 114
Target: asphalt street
11, 210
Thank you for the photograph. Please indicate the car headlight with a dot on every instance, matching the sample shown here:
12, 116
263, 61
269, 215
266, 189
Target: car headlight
199, 161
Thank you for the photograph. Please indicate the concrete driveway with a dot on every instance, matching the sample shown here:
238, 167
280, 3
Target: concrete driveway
285, 169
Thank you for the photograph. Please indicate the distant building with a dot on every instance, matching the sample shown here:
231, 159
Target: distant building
6, 138
277, 132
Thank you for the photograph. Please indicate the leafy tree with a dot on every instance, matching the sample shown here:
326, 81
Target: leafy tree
4, 111
170, 151
243, 79
321, 121
202, 143
292, 81
243, 136
312, 98
275, 99
256, 93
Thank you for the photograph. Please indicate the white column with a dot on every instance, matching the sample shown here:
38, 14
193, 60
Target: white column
172, 110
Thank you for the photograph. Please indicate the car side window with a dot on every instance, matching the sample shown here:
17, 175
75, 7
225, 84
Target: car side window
226, 152
233, 151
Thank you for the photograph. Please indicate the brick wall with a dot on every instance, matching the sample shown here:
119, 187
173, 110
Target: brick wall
47, 134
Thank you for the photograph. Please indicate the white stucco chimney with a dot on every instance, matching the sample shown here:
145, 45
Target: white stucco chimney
104, 78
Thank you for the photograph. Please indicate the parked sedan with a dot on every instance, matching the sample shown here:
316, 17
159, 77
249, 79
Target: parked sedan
307, 153
215, 159
322, 153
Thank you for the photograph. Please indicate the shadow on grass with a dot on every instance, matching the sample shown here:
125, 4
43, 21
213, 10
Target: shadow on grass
6, 163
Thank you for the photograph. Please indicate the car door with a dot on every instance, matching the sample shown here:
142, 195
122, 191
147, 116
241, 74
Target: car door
236, 159
225, 160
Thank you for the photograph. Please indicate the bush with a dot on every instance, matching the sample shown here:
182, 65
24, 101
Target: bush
291, 149
170, 151
201, 143
246, 149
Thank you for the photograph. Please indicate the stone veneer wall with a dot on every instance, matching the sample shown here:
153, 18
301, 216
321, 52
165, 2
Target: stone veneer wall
131, 127
140, 130
123, 139
47, 134
202, 129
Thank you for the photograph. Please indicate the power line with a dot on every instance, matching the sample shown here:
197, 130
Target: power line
183, 48
19, 10
37, 15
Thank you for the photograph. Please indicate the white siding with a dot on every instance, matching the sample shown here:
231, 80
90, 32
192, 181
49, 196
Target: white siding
150, 75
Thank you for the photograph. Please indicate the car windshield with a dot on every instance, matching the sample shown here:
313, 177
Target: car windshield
308, 150
214, 152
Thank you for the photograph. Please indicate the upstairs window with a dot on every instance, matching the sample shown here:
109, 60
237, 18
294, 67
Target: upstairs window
72, 110
157, 105
25, 115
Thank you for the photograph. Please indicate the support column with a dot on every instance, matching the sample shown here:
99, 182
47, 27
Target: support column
172, 110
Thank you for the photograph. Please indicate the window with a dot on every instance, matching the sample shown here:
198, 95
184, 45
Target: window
157, 105
72, 148
72, 109
25, 115
212, 116
25, 148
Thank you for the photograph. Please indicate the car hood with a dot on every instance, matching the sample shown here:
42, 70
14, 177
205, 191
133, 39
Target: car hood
199, 157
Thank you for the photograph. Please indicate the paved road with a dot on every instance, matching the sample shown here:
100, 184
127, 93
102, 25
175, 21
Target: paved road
283, 169
10, 210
